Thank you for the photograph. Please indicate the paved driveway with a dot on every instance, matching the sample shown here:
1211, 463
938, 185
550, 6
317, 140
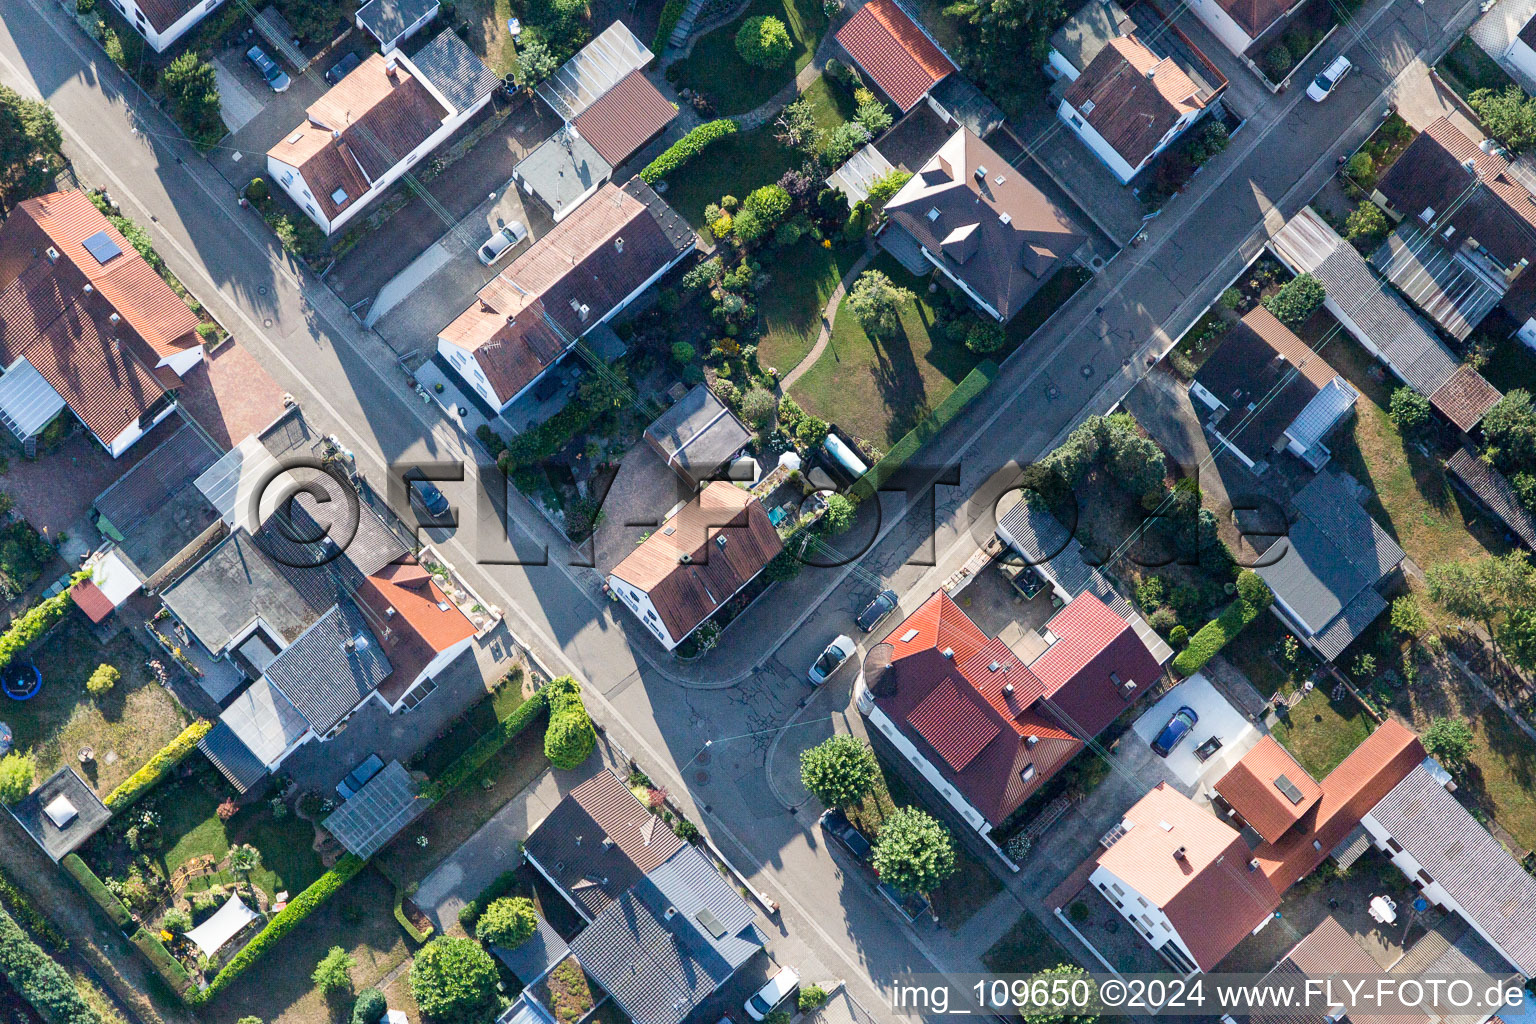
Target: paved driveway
1218, 718
237, 104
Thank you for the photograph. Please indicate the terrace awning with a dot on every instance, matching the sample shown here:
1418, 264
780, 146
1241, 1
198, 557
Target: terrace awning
224, 925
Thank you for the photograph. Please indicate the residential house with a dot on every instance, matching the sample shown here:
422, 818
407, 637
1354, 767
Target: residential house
665, 930
1130, 103
698, 436
86, 324
1507, 33
584, 271
1325, 953
609, 110
392, 22
1455, 863
1466, 231
696, 561
894, 52
1184, 880
162, 22
1240, 23
983, 727
1268, 392
1327, 571
986, 227
1081, 38
377, 123
1380, 320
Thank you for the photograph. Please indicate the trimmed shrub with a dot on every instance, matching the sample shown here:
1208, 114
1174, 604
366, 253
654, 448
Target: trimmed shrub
507, 922
417, 935
32, 624
671, 14
469, 913
569, 738
483, 749
302, 905
19, 905
97, 890
39, 979
165, 965
686, 148
1277, 61
1252, 589
158, 767
763, 41
974, 383
102, 680
454, 980
17, 773
370, 1007
1214, 635
257, 191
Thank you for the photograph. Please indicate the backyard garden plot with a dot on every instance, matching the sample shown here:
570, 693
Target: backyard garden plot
1321, 732
121, 728
715, 69
804, 276
1466, 69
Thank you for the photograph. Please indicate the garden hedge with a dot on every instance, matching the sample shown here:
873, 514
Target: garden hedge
32, 624
39, 979
974, 383
686, 148
19, 905
157, 767
97, 890
165, 965
302, 905
1213, 636
671, 14
469, 913
417, 935
483, 749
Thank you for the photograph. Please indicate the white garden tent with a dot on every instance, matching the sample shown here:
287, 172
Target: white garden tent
211, 935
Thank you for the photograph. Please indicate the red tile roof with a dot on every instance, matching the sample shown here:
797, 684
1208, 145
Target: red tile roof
625, 118
1350, 790
413, 618
953, 724
1250, 786
96, 605
1132, 97
1087, 669
894, 52
1466, 396
1194, 867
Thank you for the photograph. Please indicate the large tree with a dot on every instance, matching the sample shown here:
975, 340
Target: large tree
1449, 741
29, 148
839, 771
507, 922
876, 301
1074, 1002
1509, 432
913, 852
454, 981
1509, 116
193, 90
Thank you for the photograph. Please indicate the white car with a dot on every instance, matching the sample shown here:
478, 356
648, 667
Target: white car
1323, 85
837, 652
501, 241
772, 994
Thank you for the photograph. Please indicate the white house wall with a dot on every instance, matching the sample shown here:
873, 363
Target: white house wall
1221, 25
639, 602
1145, 916
1059, 68
469, 371
161, 41
122, 442
292, 182
1093, 140
1522, 57
930, 774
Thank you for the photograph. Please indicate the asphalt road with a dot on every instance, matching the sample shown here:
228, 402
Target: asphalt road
742, 695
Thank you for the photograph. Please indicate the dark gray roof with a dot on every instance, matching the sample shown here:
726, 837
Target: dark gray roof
660, 968
232, 757
376, 813
569, 846
698, 434
331, 667
173, 466
386, 19
90, 813
531, 960
561, 169
453, 68
1442, 281
1488, 884
1325, 570
672, 223
1493, 492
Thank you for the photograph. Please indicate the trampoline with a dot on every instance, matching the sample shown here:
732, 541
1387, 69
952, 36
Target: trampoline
21, 681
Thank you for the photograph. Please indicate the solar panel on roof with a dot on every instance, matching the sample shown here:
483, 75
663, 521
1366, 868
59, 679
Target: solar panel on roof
1288, 787
101, 246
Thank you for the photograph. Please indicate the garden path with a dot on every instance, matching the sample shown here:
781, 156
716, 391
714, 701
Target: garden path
828, 313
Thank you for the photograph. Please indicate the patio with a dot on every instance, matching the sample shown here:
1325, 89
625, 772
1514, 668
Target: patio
1217, 719
1111, 936
1001, 611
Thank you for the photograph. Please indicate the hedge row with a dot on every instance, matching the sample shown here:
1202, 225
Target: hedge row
19, 905
671, 14
483, 749
302, 905
97, 890
686, 148
31, 624
469, 913
157, 767
975, 382
1213, 636
39, 980
417, 936
165, 965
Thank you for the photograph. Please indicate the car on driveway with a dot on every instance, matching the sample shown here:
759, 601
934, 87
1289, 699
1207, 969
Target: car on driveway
837, 652
772, 994
1178, 727
275, 76
342, 68
836, 824
429, 499
501, 241
1323, 85
875, 612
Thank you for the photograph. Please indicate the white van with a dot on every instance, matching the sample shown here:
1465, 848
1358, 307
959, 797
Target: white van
772, 994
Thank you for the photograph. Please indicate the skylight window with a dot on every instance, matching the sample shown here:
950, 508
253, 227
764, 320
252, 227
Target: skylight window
908, 636
339, 196
933, 214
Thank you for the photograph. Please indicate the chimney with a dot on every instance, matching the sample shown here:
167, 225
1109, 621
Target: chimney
685, 558
980, 172
53, 255
391, 65
389, 612
1180, 854
1008, 688
994, 666
88, 289
949, 652
618, 244
578, 840
114, 318
671, 913
1030, 741
607, 842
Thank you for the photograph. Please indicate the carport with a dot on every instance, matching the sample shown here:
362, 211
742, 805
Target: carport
1218, 720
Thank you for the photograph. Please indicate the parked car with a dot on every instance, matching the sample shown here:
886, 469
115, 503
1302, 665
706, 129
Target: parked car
772, 994
836, 824
1178, 727
876, 611
501, 241
837, 652
429, 499
1322, 86
275, 76
342, 68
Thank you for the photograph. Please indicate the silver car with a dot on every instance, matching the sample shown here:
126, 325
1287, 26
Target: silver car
501, 241
837, 652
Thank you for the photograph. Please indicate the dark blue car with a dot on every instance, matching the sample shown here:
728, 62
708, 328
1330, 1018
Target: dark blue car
429, 499
1178, 727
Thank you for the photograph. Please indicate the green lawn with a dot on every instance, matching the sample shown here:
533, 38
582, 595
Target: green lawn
1249, 653
192, 829
804, 277
715, 69
879, 390
124, 727
1321, 732
1024, 949
1466, 68
734, 165
830, 105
